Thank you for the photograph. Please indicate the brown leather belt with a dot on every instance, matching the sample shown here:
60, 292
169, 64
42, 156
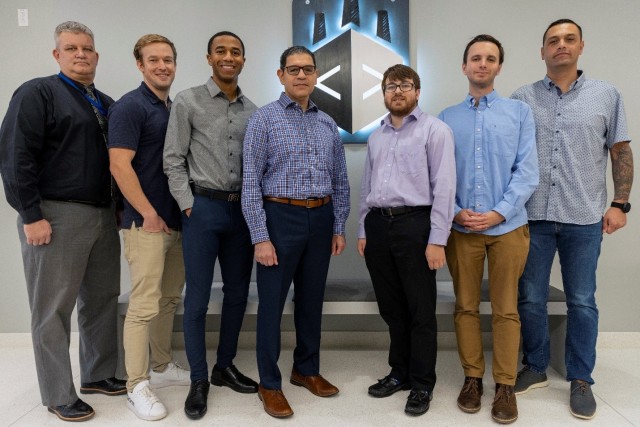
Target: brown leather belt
310, 203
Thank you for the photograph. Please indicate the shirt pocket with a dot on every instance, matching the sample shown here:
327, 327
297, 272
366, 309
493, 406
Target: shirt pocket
503, 142
411, 160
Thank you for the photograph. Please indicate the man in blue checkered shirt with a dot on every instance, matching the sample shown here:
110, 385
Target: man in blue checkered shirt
295, 199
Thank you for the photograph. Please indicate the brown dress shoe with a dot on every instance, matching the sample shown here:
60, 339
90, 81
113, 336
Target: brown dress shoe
314, 383
505, 408
469, 398
275, 404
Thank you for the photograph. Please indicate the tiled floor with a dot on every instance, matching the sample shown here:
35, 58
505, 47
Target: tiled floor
353, 370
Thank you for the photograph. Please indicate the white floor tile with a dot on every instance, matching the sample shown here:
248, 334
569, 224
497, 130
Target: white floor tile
617, 390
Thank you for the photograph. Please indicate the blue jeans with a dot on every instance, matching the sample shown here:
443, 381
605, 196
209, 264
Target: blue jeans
578, 248
215, 229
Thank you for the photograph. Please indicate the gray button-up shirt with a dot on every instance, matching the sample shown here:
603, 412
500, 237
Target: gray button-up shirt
574, 131
204, 141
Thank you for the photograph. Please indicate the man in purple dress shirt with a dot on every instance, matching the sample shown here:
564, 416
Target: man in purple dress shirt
406, 209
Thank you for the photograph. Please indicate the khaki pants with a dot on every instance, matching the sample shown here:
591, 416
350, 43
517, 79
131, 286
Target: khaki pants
157, 279
506, 256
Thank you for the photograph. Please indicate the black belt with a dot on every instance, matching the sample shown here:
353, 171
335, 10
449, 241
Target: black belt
399, 210
229, 196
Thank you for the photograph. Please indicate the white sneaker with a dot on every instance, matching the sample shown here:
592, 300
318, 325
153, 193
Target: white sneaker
174, 374
145, 404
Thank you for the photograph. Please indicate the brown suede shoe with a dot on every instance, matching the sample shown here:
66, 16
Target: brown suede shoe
314, 383
505, 408
275, 404
469, 398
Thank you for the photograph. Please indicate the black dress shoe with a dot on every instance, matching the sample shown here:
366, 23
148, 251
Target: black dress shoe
387, 386
233, 379
111, 387
77, 411
196, 404
418, 402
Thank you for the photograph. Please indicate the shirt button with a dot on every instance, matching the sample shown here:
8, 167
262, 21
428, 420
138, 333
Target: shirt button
478, 166
557, 131
230, 137
478, 149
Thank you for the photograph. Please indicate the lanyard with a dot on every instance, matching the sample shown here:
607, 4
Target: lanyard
95, 102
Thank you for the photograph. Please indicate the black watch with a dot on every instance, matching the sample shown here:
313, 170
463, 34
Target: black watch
624, 207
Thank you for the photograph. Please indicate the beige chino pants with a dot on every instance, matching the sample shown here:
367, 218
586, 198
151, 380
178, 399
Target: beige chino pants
157, 279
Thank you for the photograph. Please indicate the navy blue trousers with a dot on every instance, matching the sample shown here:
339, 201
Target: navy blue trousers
215, 229
302, 239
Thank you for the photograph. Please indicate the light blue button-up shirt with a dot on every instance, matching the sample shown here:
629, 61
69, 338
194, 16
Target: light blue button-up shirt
496, 158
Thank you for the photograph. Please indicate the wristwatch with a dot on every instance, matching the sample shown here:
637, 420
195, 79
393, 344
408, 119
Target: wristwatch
624, 207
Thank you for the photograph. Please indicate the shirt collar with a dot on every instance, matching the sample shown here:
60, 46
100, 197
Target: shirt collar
152, 96
81, 85
488, 99
214, 91
287, 102
414, 115
549, 84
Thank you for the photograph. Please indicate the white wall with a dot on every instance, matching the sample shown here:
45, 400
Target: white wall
439, 31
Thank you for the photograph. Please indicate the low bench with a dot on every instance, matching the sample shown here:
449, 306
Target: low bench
350, 305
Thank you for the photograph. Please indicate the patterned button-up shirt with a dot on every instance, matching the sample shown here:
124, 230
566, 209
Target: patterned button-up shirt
294, 154
574, 131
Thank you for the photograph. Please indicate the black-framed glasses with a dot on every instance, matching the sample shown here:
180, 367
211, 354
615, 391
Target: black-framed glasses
404, 87
294, 70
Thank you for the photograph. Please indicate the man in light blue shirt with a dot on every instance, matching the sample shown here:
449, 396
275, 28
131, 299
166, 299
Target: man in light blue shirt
497, 171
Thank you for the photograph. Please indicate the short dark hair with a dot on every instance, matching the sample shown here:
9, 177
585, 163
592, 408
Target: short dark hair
401, 72
224, 33
295, 50
483, 38
558, 22
149, 39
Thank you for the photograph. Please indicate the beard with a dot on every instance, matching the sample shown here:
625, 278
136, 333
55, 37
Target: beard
400, 111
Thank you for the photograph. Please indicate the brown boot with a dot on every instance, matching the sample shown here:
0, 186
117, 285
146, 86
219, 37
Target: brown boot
505, 408
469, 398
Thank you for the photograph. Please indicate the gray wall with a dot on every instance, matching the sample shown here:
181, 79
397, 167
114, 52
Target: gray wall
439, 32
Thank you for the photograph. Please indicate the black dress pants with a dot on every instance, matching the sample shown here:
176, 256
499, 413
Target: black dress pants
406, 292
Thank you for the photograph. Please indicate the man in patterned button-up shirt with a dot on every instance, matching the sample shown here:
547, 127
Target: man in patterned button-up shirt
295, 198
578, 122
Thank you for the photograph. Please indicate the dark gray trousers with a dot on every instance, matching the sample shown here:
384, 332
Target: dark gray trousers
81, 265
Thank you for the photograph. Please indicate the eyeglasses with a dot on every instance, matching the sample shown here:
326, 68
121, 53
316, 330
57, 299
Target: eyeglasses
294, 70
404, 87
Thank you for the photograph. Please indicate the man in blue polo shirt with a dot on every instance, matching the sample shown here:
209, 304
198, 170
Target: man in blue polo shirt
151, 227
579, 121
497, 171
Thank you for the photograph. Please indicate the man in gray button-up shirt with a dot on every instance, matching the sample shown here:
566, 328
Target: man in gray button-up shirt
203, 160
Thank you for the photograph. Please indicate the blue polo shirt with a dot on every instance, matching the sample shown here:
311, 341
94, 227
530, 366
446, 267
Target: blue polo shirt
138, 121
